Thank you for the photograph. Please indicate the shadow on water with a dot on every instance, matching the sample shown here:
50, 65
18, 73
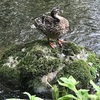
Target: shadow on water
16, 18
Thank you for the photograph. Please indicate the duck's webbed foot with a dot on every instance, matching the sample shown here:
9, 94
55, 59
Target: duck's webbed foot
61, 41
52, 44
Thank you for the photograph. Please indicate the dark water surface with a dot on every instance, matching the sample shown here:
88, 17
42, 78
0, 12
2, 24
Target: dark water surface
16, 19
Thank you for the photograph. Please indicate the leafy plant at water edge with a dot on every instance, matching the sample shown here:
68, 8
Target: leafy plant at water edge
81, 94
55, 92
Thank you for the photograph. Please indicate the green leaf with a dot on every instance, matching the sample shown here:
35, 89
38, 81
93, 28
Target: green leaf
68, 82
55, 92
68, 97
32, 97
97, 88
98, 98
93, 97
82, 94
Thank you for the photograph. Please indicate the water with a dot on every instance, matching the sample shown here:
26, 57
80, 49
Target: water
16, 19
87, 32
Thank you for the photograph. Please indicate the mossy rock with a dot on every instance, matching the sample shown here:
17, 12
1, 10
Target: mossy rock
24, 66
94, 59
80, 70
71, 49
9, 77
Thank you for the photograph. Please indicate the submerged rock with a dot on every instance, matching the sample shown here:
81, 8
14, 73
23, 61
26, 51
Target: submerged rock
28, 67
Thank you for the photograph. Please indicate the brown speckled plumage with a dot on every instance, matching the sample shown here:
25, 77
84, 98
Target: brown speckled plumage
53, 25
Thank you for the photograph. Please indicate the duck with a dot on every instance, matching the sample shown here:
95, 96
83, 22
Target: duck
53, 26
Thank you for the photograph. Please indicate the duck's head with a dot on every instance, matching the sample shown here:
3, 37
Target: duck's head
55, 11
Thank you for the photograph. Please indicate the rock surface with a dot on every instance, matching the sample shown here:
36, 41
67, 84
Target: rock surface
28, 67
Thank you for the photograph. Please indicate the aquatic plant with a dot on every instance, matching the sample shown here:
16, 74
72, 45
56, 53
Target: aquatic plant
81, 94
70, 83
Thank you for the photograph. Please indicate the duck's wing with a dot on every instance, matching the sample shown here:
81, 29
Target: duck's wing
38, 22
44, 23
48, 21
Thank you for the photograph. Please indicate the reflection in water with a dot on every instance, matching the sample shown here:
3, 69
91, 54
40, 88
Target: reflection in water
16, 19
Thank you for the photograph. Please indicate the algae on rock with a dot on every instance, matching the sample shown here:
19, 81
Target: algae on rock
29, 63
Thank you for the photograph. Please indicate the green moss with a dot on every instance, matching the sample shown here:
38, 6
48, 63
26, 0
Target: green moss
35, 62
80, 70
94, 63
71, 49
94, 59
2, 50
37, 58
9, 77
